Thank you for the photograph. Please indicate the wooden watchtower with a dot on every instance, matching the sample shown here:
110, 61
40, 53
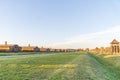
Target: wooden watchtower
115, 47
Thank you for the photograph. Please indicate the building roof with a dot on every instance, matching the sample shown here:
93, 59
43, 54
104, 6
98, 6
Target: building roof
114, 42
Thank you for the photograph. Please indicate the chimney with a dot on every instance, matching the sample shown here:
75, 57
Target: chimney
5, 42
28, 45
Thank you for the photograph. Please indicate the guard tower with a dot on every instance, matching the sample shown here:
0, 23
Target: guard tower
115, 47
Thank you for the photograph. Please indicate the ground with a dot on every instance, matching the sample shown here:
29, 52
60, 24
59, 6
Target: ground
59, 66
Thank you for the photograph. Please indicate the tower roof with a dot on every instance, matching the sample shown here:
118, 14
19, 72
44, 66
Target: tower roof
114, 42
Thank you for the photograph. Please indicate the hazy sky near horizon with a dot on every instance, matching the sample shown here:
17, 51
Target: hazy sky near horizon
60, 23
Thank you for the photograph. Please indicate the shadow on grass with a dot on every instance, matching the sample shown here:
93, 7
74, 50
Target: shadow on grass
111, 64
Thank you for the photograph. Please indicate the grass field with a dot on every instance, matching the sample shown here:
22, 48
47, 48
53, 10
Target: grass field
60, 66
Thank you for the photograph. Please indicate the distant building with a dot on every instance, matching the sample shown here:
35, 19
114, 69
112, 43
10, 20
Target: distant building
36, 49
9, 47
5, 47
57, 50
42, 49
115, 47
52, 50
87, 49
27, 48
15, 48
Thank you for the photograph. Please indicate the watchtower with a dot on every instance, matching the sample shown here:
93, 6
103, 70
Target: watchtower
115, 47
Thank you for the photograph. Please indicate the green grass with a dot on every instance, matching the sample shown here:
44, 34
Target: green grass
111, 63
27, 53
65, 66
20, 53
30, 68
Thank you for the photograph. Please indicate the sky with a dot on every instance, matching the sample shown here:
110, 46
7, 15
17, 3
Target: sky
60, 23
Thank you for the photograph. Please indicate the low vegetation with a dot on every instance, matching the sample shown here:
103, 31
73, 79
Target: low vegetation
20, 53
61, 66
111, 63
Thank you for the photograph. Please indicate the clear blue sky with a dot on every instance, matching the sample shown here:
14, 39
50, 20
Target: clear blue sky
43, 22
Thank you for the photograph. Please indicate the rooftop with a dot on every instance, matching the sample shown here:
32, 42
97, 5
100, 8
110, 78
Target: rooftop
114, 42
